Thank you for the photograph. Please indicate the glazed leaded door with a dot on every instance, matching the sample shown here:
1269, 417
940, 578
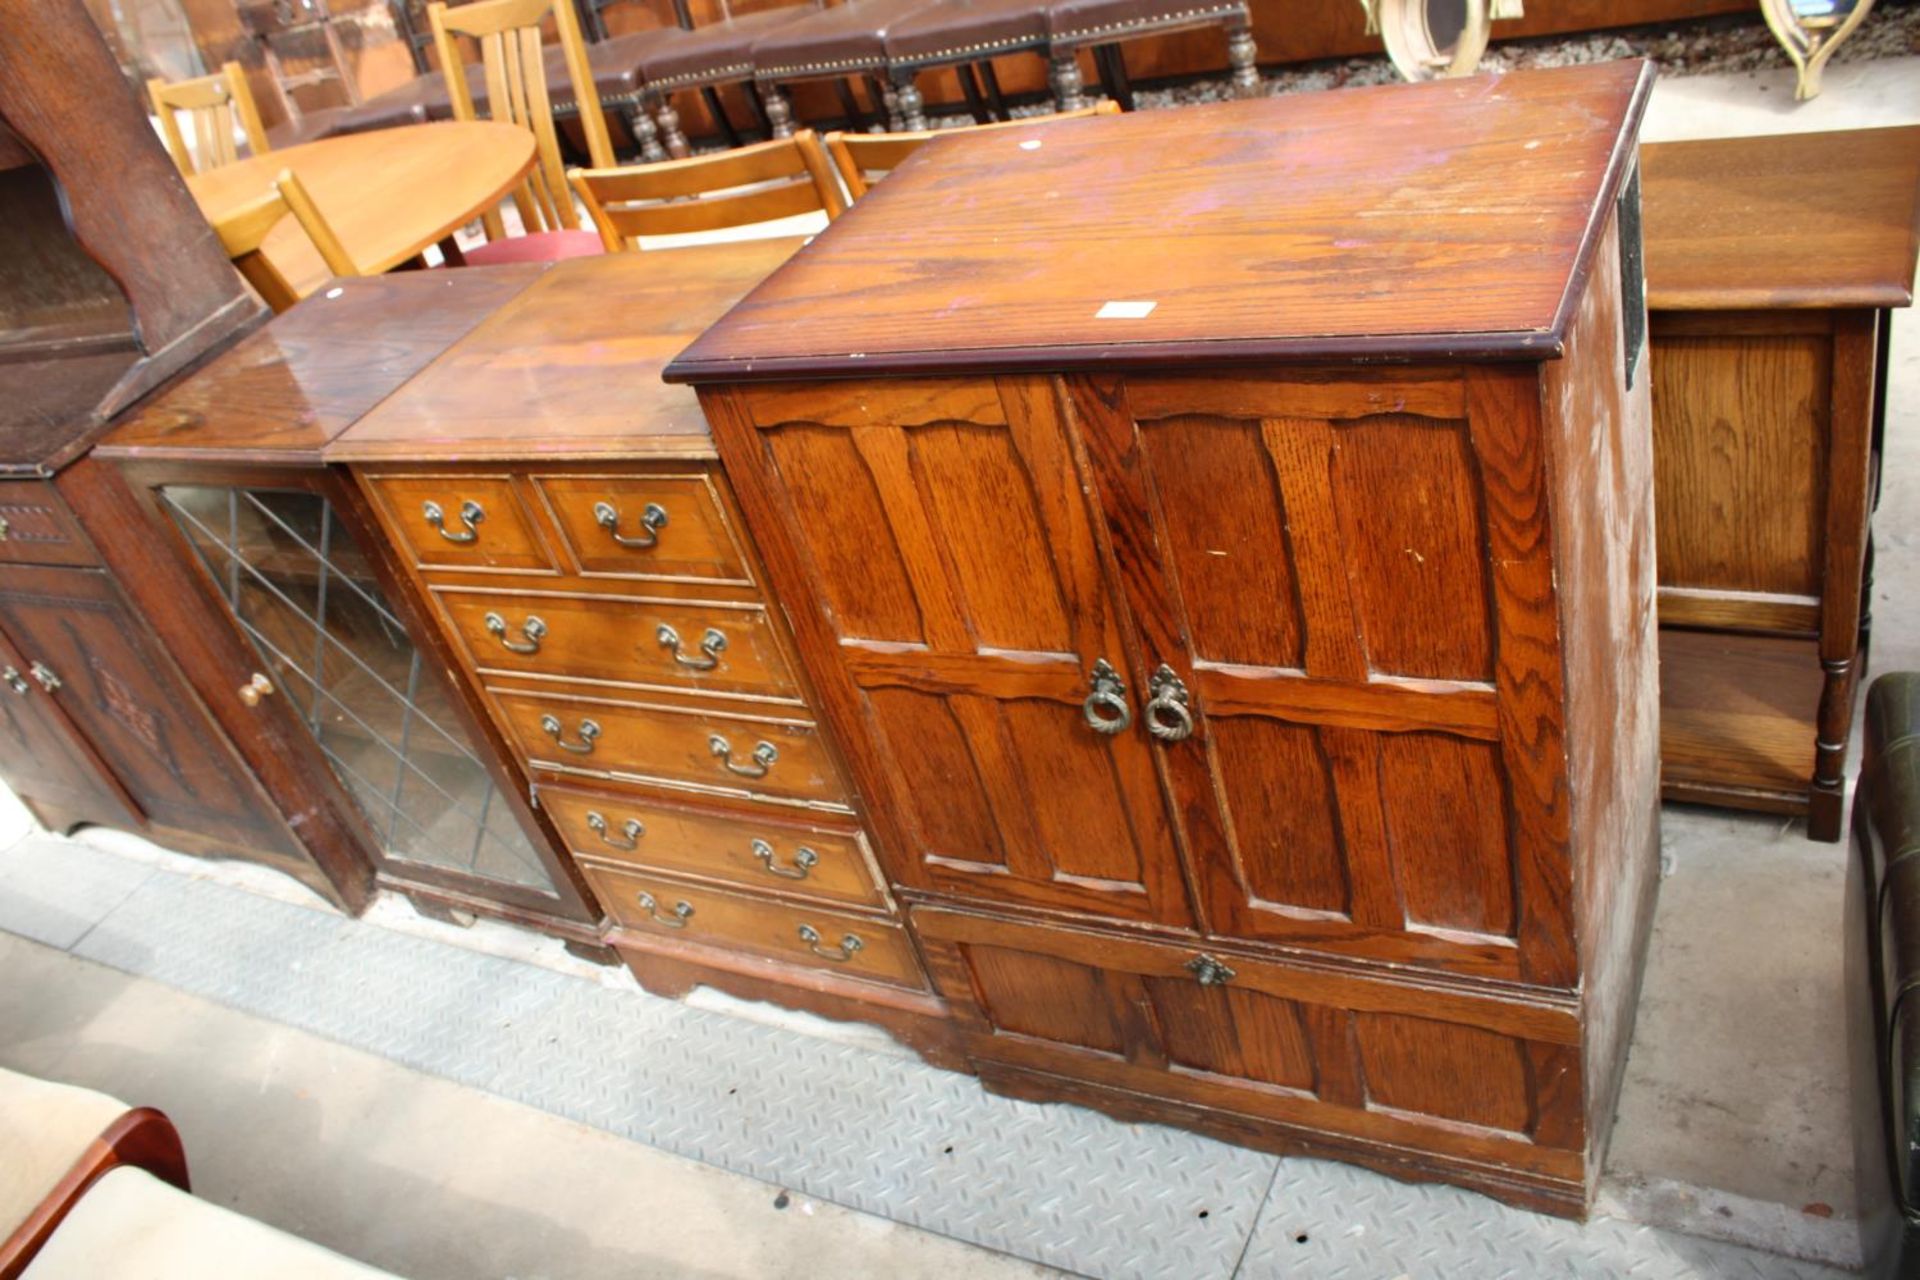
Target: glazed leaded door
337, 653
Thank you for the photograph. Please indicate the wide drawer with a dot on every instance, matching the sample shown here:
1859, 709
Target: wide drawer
463, 521
756, 756
857, 946
36, 528
753, 852
729, 648
645, 525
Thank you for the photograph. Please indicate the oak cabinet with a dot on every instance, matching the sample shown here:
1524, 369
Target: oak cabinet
1253, 684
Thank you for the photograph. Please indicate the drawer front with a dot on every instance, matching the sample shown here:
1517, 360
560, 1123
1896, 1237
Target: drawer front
739, 755
645, 526
722, 647
857, 946
35, 527
463, 522
754, 853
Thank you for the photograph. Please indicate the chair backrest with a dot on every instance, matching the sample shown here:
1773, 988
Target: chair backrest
213, 105
509, 36
244, 231
758, 183
864, 158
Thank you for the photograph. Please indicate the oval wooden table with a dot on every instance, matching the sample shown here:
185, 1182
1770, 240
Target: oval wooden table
388, 194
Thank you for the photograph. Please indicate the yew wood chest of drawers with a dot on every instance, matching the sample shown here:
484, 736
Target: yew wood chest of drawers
561, 510
1227, 568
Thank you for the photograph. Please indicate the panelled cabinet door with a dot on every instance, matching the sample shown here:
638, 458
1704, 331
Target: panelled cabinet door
946, 534
90, 654
1368, 631
44, 761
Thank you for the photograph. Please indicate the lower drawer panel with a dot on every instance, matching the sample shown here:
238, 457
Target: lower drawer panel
756, 853
856, 946
1404, 1063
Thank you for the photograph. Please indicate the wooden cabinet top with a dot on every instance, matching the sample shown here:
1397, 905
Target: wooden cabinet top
1795, 220
286, 390
1447, 219
571, 367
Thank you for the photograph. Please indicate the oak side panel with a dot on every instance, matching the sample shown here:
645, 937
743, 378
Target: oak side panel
1600, 463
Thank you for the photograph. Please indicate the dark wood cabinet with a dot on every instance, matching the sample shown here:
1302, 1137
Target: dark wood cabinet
1772, 266
1250, 664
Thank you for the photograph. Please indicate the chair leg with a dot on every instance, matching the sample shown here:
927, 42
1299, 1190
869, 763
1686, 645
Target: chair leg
912, 108
718, 110
970, 86
856, 118
1113, 74
669, 121
645, 132
1241, 53
991, 79
759, 106
779, 110
1067, 84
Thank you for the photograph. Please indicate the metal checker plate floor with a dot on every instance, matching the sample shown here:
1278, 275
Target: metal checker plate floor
870, 1130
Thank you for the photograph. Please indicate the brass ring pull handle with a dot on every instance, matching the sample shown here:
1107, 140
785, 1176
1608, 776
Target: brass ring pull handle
764, 754
1209, 972
682, 911
1168, 716
712, 645
804, 860
631, 827
653, 518
17, 681
471, 514
1106, 706
533, 629
589, 730
849, 943
44, 674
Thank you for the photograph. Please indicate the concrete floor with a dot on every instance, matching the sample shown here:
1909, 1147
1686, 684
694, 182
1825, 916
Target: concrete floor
1732, 1124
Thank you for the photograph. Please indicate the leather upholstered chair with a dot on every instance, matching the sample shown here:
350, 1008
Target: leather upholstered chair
1882, 940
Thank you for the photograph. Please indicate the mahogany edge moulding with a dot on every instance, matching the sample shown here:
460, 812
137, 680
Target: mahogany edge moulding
1498, 280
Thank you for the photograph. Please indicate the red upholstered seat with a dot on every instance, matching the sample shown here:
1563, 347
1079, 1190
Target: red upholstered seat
542, 246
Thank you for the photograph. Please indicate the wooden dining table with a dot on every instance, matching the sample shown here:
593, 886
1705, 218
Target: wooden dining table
387, 194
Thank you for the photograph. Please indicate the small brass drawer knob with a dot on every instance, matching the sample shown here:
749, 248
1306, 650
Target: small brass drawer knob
471, 514
631, 831
255, 689
653, 518
764, 754
712, 644
1209, 972
804, 860
849, 944
533, 629
682, 911
16, 681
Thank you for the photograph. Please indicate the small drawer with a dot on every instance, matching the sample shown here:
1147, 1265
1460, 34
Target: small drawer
727, 648
739, 755
857, 946
645, 526
463, 522
812, 862
36, 528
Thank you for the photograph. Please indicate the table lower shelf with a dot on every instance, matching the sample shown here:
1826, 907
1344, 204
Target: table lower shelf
1737, 719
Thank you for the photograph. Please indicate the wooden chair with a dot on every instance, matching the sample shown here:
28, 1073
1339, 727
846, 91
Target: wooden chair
509, 35
863, 158
245, 230
758, 183
212, 105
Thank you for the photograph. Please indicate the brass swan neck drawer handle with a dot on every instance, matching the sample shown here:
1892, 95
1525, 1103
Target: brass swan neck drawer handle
1168, 716
682, 911
1209, 972
16, 681
534, 629
849, 944
631, 831
1106, 708
653, 518
764, 754
712, 645
804, 860
471, 514
44, 674
589, 731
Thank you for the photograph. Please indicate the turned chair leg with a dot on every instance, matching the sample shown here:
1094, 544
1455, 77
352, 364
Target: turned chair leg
645, 132
913, 113
1241, 55
1067, 84
779, 110
669, 122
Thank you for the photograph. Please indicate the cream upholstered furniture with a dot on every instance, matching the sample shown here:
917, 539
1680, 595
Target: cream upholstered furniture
131, 1224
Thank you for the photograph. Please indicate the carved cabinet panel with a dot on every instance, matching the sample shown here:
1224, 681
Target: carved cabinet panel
46, 763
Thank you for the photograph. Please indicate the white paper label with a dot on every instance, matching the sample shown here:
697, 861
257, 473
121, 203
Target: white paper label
1125, 310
